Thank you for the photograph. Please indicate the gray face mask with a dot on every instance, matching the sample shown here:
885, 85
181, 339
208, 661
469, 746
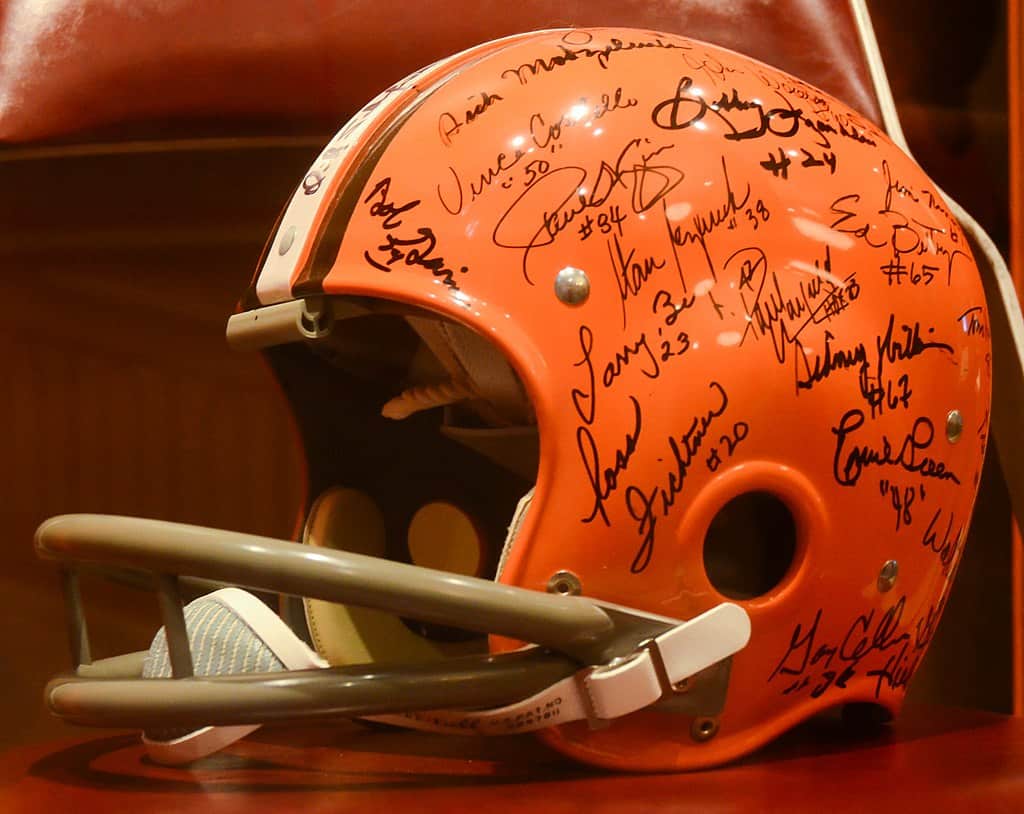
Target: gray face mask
588, 660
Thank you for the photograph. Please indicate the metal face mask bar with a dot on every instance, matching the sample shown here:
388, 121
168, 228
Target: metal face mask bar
629, 659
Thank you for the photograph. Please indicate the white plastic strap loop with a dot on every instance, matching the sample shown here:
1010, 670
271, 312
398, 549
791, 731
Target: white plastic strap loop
596, 693
605, 692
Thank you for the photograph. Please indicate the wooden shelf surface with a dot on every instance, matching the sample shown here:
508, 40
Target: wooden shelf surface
932, 759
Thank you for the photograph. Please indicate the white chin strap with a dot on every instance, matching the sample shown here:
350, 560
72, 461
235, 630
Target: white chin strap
229, 631
219, 621
607, 691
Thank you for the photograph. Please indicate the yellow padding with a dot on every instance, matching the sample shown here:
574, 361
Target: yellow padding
442, 536
350, 520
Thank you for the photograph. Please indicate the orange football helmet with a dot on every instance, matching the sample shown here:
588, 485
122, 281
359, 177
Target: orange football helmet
727, 339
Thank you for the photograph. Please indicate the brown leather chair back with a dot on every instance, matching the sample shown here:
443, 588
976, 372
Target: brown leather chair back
264, 65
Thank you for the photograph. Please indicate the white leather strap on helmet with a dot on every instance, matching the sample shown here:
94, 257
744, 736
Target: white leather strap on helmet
608, 691
596, 693
230, 630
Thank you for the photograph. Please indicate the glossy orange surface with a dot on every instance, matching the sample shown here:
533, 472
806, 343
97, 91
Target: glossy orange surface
779, 302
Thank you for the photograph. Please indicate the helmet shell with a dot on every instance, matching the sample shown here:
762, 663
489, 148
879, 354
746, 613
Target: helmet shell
713, 280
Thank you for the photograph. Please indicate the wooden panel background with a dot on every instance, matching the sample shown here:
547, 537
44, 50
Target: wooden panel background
119, 393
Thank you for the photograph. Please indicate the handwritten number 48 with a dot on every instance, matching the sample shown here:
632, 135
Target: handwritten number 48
902, 499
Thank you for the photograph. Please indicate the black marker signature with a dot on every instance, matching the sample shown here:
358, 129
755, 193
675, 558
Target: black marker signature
711, 66
458, 188
876, 385
707, 222
850, 460
544, 135
450, 124
604, 481
884, 224
503, 163
415, 247
944, 540
779, 312
817, 666
566, 55
585, 399
562, 194
645, 506
639, 355
631, 272
973, 321
900, 666
746, 118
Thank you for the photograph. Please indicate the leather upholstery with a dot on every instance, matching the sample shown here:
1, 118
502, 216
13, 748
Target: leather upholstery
266, 66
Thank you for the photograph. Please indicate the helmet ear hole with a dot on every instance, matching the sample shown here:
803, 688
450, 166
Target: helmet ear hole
750, 545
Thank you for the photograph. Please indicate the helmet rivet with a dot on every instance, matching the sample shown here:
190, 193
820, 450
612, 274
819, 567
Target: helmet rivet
954, 426
887, 576
565, 583
572, 286
287, 239
704, 728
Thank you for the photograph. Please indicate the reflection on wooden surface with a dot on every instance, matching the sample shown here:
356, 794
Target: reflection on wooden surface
948, 760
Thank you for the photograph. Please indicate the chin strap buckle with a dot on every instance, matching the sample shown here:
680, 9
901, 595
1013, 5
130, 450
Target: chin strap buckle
669, 688
654, 672
659, 667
